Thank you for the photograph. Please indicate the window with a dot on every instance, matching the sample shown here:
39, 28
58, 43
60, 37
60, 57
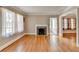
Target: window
19, 23
72, 23
65, 24
53, 26
11, 23
69, 24
7, 22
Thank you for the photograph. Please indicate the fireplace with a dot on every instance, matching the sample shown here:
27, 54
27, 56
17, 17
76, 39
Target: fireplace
41, 30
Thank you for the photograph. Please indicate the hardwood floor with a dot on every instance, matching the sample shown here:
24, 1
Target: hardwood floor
31, 43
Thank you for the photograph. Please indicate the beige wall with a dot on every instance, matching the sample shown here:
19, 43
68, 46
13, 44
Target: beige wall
32, 20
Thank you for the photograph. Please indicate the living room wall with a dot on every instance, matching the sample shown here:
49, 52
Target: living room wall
32, 20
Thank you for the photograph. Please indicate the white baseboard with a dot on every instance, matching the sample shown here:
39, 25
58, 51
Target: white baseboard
12, 41
34, 33
30, 33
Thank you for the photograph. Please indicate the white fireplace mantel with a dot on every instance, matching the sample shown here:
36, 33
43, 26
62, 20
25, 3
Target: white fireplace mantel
40, 26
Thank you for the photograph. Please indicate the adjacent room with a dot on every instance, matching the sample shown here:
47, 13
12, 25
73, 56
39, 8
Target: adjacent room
39, 28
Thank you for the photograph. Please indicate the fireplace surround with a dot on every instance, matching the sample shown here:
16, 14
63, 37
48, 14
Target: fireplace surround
41, 29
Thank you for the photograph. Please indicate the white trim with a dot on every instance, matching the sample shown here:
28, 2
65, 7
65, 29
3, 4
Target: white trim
40, 25
30, 33
10, 42
77, 44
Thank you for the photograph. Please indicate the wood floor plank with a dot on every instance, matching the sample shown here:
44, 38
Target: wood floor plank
31, 43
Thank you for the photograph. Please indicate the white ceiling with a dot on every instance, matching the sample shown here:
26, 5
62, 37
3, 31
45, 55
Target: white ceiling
44, 10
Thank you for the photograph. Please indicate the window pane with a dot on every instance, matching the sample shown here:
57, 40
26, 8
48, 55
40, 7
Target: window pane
20, 23
65, 24
72, 23
53, 26
8, 22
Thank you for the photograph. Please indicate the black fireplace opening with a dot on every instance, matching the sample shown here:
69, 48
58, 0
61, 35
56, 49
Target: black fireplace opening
41, 31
